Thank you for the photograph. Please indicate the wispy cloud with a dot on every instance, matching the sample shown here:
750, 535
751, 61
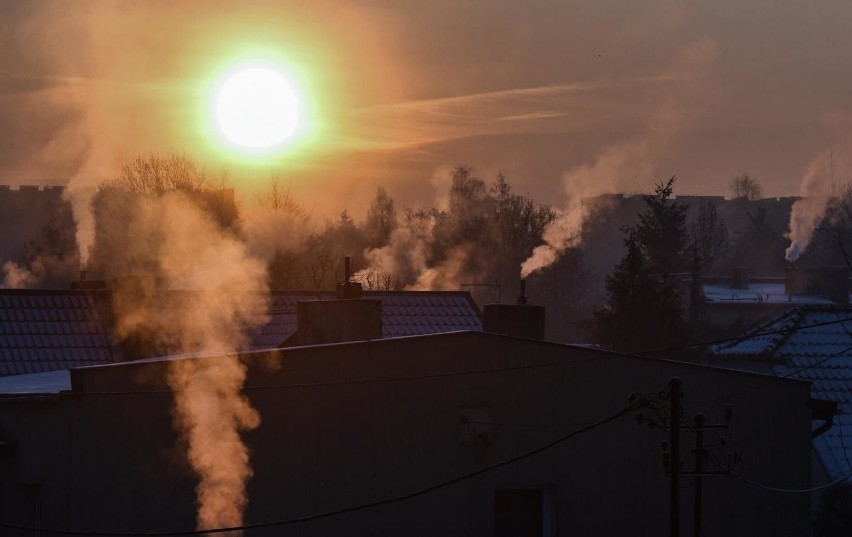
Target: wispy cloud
408, 124
547, 114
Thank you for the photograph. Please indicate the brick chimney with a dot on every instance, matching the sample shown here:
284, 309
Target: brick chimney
349, 318
520, 319
739, 278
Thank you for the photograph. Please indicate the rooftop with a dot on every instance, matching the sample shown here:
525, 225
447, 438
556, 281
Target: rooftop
760, 293
813, 344
54, 330
50, 330
404, 313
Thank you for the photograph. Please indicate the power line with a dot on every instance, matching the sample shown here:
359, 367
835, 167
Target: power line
790, 491
345, 510
743, 337
771, 380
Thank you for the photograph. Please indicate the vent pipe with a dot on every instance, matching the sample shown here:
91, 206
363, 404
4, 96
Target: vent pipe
348, 289
522, 298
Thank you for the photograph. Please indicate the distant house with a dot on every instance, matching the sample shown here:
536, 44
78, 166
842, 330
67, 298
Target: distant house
743, 301
465, 433
49, 330
812, 343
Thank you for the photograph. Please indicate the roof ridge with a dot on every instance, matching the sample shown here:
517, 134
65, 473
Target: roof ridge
798, 313
757, 330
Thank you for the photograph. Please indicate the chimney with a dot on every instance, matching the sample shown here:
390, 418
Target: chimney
794, 281
522, 298
739, 278
519, 320
348, 289
338, 321
89, 280
349, 318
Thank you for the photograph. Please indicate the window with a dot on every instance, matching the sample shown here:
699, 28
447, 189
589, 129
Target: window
523, 512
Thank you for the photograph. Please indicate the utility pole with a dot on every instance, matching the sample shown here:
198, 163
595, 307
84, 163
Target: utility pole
699, 467
674, 440
699, 472
670, 402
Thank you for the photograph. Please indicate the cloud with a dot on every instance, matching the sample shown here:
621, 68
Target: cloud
551, 108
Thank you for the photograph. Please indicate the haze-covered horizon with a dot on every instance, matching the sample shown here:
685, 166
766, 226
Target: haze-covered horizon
400, 92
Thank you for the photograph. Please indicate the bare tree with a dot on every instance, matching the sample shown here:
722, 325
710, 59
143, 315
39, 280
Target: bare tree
279, 199
377, 280
746, 186
709, 237
156, 175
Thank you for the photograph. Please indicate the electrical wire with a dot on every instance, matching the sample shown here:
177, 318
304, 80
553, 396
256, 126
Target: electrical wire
843, 443
789, 375
740, 338
790, 491
345, 510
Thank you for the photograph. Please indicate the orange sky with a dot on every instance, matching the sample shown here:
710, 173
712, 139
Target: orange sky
567, 100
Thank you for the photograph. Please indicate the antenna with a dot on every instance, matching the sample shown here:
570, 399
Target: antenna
831, 157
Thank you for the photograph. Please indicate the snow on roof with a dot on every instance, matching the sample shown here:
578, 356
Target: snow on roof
813, 344
762, 293
51, 382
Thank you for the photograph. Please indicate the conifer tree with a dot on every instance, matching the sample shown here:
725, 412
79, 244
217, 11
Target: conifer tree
644, 309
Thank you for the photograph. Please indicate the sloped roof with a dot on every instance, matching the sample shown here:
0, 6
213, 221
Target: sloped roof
404, 313
59, 329
44, 331
821, 354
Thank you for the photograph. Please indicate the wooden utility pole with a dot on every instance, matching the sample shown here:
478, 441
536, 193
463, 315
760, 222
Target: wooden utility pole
674, 440
671, 451
699, 468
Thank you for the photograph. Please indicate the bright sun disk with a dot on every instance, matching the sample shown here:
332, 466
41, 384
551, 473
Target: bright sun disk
257, 108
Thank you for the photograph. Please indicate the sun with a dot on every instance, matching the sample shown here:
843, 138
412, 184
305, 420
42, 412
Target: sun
257, 108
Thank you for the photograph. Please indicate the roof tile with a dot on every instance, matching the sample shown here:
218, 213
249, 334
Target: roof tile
820, 354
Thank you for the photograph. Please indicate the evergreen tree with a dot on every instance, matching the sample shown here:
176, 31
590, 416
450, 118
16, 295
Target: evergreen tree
644, 309
662, 230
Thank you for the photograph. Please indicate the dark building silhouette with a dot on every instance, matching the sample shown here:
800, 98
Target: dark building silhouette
24, 212
360, 422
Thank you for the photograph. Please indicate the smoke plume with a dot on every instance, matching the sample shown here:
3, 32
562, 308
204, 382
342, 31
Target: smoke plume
808, 212
631, 164
404, 257
203, 293
80, 197
17, 277
447, 275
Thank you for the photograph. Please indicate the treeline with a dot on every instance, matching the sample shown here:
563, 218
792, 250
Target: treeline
476, 242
